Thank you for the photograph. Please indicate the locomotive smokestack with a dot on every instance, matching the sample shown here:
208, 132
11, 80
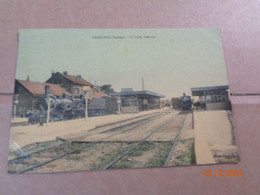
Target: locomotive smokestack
183, 94
47, 91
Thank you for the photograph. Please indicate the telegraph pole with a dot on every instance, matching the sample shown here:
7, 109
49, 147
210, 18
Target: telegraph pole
143, 83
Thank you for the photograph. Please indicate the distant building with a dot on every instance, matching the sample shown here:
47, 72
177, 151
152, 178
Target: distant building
97, 93
214, 97
135, 101
74, 84
27, 93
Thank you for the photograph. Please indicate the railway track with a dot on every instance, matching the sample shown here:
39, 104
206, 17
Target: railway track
19, 124
98, 130
69, 147
174, 143
131, 149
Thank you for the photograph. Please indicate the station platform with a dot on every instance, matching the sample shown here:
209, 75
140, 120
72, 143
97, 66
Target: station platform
25, 135
213, 132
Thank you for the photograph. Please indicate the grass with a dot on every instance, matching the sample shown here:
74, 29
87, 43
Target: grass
186, 157
73, 158
146, 146
36, 147
75, 146
107, 158
124, 163
135, 153
142, 148
129, 163
160, 157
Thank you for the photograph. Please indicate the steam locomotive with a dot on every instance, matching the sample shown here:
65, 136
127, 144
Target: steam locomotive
186, 102
183, 102
67, 108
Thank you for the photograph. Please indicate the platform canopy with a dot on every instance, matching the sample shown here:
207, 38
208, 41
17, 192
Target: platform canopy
199, 91
144, 94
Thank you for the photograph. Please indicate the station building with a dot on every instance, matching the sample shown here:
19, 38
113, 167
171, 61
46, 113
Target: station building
28, 92
136, 101
214, 97
76, 85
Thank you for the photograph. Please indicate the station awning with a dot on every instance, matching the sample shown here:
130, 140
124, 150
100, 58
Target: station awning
199, 91
146, 94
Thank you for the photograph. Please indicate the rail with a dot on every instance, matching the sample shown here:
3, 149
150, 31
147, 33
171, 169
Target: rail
148, 119
138, 143
174, 143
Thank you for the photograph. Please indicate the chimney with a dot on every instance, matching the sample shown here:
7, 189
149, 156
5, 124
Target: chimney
47, 91
28, 78
52, 73
65, 73
79, 76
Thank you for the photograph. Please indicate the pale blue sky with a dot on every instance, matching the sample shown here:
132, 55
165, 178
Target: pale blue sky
171, 63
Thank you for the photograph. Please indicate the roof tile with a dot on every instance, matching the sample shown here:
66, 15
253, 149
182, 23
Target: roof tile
37, 88
78, 80
98, 94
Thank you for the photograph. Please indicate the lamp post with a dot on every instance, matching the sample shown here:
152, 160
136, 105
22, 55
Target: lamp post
86, 107
48, 111
47, 95
15, 105
118, 105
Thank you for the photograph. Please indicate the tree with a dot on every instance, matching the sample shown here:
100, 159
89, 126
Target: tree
107, 89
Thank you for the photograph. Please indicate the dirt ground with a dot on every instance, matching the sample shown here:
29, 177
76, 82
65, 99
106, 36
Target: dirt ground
135, 134
152, 156
169, 132
212, 140
184, 149
88, 159
29, 134
214, 137
97, 156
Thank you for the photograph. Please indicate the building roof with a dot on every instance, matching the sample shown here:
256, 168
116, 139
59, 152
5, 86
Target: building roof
74, 79
198, 91
78, 80
139, 93
37, 88
98, 94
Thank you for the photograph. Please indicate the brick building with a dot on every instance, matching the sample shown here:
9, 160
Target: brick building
27, 93
76, 85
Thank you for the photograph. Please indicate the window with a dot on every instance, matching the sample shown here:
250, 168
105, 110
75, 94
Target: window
215, 97
76, 91
129, 101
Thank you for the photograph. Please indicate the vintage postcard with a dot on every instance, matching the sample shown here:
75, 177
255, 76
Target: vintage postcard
96, 99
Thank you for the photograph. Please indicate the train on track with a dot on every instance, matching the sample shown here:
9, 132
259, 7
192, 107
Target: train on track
186, 103
67, 108
183, 102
